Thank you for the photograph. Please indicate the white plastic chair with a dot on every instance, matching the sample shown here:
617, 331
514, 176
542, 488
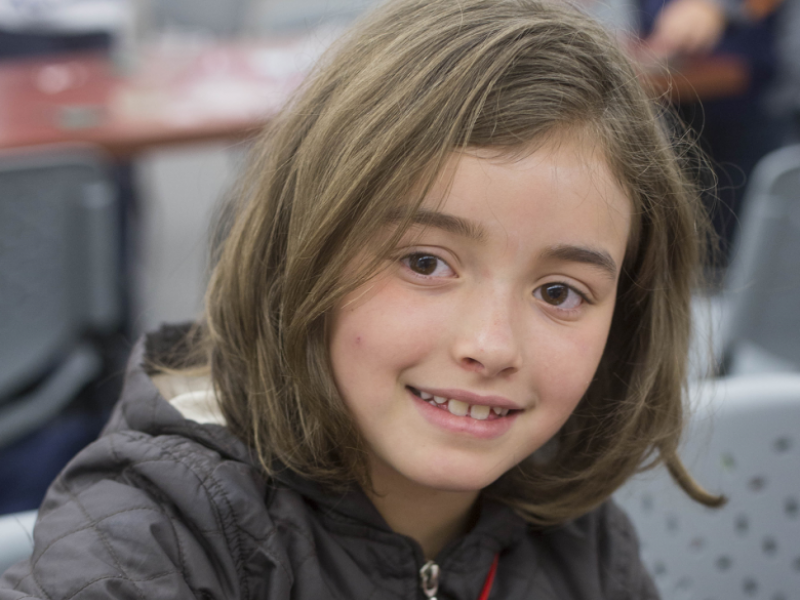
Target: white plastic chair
760, 321
16, 538
744, 442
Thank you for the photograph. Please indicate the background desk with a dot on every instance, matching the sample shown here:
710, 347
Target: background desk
176, 93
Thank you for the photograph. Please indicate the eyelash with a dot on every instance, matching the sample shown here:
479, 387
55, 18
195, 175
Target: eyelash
537, 293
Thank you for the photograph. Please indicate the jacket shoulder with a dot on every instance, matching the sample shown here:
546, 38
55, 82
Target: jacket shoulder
622, 573
594, 557
142, 516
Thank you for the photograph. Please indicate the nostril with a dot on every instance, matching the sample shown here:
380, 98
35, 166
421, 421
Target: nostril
472, 363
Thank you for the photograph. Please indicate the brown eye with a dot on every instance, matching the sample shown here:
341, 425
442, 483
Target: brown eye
560, 295
555, 293
424, 264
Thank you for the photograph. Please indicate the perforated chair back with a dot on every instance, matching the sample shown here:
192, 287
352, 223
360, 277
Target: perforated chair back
762, 288
59, 252
743, 441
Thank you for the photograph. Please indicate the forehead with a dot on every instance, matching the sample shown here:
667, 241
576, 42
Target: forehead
560, 191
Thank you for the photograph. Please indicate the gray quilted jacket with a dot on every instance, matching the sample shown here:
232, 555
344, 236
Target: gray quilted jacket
163, 507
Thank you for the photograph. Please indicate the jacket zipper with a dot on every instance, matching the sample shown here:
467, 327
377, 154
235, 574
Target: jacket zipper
429, 579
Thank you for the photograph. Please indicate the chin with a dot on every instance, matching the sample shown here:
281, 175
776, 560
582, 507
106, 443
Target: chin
454, 479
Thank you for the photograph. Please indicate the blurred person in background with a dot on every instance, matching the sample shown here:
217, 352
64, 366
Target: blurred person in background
737, 130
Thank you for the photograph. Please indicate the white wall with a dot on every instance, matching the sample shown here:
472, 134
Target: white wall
179, 190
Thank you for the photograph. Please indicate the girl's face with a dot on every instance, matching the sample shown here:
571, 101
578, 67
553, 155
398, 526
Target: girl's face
473, 347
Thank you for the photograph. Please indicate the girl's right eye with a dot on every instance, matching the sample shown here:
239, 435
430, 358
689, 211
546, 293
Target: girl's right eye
427, 265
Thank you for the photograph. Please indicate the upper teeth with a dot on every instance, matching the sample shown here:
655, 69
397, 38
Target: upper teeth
479, 411
462, 409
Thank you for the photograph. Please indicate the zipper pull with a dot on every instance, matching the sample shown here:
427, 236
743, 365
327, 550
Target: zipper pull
429, 578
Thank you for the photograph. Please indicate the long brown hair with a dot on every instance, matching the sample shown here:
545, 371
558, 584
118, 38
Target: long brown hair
363, 139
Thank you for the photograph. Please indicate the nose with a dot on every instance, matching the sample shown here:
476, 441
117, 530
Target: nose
488, 339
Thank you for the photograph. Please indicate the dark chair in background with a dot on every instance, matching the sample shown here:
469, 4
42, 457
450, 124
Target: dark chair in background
59, 293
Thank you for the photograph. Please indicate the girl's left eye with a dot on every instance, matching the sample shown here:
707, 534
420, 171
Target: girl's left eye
559, 295
427, 265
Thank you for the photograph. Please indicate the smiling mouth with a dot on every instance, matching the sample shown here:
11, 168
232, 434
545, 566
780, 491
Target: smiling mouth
458, 408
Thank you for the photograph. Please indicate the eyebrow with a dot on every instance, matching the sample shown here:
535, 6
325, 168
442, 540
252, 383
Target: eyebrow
449, 223
581, 254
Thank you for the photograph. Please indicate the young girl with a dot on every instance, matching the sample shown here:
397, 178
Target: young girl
449, 320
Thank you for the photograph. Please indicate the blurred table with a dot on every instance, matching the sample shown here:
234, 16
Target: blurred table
177, 92
183, 92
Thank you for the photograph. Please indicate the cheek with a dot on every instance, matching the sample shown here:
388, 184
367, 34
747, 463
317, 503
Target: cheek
386, 331
571, 362
588, 353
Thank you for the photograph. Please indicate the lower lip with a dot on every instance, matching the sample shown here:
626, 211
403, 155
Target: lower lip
487, 429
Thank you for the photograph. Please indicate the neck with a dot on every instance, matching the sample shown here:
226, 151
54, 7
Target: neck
431, 517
